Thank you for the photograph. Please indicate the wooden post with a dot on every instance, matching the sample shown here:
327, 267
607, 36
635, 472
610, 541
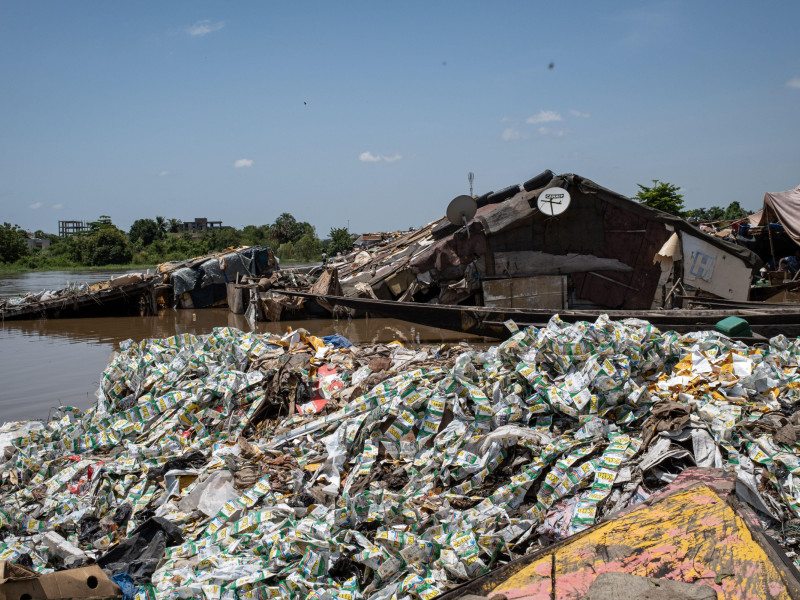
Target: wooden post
771, 246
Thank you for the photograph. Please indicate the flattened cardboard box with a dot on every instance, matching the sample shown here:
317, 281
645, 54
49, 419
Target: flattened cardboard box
86, 583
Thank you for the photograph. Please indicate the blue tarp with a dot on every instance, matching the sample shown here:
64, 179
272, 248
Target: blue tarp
337, 341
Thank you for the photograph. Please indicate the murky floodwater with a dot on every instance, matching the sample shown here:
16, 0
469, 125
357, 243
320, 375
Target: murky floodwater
44, 363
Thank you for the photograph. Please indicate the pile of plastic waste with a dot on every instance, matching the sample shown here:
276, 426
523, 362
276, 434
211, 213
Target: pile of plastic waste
246, 465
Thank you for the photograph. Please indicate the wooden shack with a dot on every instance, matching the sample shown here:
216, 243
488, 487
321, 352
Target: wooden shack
603, 251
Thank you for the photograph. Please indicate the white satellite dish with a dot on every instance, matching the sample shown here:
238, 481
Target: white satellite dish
461, 210
553, 201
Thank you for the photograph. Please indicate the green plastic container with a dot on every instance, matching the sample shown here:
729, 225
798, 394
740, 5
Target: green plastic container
734, 327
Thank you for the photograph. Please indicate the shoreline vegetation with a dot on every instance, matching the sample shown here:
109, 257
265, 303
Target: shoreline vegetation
150, 242
7, 269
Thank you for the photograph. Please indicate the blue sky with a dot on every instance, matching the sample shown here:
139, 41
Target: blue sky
372, 114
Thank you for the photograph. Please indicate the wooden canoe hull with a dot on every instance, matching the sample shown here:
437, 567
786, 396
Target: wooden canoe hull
489, 322
694, 531
113, 301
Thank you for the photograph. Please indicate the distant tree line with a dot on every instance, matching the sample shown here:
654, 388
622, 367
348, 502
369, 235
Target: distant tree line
666, 197
153, 241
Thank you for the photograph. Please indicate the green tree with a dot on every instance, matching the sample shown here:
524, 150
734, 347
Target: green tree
13, 243
255, 235
43, 235
340, 241
285, 251
734, 212
161, 223
662, 196
219, 239
308, 247
287, 229
304, 228
715, 213
102, 221
108, 246
282, 228
175, 225
145, 230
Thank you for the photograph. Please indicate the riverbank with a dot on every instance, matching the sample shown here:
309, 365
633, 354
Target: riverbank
12, 268
15, 268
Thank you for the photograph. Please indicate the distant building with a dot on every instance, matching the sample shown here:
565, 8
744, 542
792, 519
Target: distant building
200, 224
34, 242
68, 228
365, 240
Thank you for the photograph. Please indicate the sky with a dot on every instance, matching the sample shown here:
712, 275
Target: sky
371, 115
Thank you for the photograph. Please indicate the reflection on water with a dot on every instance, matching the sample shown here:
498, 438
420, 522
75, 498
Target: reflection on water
45, 363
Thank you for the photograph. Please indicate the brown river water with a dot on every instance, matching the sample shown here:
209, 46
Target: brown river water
44, 363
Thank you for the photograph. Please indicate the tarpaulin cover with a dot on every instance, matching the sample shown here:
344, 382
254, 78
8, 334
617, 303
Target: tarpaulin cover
184, 280
225, 268
785, 207
754, 219
212, 273
218, 270
236, 263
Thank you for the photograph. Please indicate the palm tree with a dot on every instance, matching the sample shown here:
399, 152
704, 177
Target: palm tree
175, 225
283, 228
161, 222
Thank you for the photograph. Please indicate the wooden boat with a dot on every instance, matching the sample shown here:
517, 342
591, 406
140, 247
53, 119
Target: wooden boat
693, 539
765, 320
137, 297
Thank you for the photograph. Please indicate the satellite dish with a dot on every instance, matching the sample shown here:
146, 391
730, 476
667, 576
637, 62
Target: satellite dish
461, 210
553, 201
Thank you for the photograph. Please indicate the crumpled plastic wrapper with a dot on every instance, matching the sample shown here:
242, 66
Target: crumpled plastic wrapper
420, 469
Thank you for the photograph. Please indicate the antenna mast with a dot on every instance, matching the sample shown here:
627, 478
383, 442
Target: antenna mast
470, 178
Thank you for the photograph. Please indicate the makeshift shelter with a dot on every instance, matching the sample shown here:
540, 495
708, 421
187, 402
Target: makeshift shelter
604, 251
784, 208
202, 282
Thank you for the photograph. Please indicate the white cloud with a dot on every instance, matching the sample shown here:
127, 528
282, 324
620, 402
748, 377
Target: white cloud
58, 206
163, 173
368, 157
794, 82
243, 162
511, 133
35, 205
371, 158
579, 114
544, 116
204, 27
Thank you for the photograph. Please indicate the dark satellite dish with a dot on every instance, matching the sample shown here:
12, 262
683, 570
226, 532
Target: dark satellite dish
461, 210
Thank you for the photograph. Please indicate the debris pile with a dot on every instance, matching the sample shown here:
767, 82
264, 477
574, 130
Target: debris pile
246, 465
71, 290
